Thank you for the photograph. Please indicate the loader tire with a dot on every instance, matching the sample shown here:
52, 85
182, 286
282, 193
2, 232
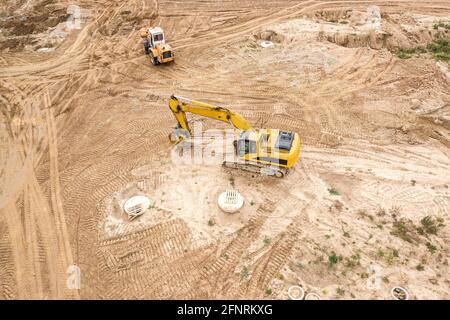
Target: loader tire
153, 59
279, 174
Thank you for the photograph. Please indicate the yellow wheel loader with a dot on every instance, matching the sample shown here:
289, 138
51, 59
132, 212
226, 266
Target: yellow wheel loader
155, 46
268, 151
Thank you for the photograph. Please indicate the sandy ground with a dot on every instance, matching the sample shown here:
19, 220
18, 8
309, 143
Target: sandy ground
84, 126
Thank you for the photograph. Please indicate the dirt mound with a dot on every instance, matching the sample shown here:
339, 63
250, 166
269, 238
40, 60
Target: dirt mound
269, 35
333, 15
391, 38
22, 29
375, 29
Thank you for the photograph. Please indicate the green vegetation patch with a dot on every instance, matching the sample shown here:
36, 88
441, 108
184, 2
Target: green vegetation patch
408, 53
442, 25
430, 225
333, 259
405, 230
440, 48
333, 191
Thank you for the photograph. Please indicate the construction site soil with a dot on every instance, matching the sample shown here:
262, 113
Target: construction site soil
84, 125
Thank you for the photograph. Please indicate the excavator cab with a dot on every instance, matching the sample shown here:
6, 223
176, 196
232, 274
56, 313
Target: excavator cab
246, 147
271, 147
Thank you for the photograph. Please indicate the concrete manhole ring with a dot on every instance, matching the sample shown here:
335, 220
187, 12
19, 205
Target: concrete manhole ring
266, 44
400, 293
230, 201
312, 296
136, 206
296, 293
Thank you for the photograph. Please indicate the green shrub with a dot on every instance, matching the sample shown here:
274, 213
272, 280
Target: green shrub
245, 273
333, 259
429, 225
340, 291
267, 241
440, 48
408, 53
353, 261
432, 248
404, 55
333, 191
405, 230
442, 25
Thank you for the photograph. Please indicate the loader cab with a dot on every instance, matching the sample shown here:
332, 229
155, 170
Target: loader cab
156, 36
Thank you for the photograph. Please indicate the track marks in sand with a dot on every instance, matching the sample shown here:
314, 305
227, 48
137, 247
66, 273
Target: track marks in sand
93, 153
37, 228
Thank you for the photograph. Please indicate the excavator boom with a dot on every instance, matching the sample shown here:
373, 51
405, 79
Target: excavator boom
180, 106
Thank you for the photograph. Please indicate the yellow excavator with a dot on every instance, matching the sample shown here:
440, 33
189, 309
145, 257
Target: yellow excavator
267, 151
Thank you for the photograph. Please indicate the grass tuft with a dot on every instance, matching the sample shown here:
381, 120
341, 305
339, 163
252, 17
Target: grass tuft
333, 191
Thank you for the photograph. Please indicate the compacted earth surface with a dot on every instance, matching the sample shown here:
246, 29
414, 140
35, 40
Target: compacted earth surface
84, 125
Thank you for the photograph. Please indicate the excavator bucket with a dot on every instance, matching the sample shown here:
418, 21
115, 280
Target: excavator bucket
178, 134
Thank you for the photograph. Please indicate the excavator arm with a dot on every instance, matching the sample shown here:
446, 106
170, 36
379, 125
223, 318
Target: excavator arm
180, 106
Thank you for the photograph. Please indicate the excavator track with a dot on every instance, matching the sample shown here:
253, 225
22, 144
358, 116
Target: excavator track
256, 168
